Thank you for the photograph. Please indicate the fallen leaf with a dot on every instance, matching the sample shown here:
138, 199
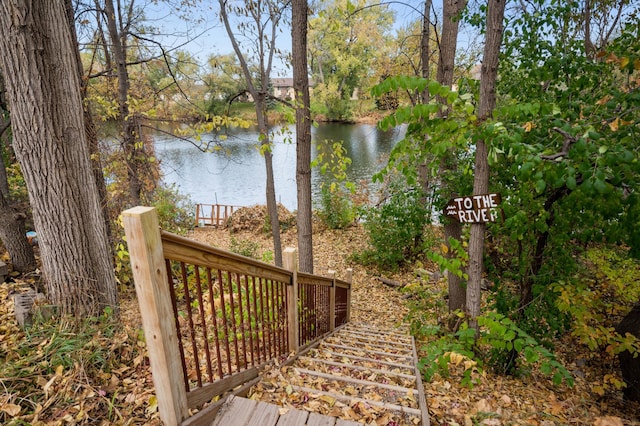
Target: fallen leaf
11, 409
608, 421
328, 399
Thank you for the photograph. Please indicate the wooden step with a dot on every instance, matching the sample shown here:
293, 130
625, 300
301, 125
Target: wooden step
358, 372
239, 411
358, 367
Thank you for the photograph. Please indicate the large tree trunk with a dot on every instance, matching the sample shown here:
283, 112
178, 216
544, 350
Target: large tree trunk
12, 229
299, 10
90, 128
39, 64
446, 63
490, 57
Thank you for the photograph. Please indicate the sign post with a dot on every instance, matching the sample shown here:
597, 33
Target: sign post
474, 209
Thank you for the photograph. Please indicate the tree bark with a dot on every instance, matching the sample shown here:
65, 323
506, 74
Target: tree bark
12, 234
425, 43
5, 125
446, 63
451, 10
490, 57
43, 89
90, 128
299, 10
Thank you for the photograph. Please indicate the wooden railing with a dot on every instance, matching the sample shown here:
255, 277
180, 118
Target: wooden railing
213, 214
212, 318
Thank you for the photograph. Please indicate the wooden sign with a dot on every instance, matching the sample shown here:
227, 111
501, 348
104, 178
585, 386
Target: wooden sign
474, 209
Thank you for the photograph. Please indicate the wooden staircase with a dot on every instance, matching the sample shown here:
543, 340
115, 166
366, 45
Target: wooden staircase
358, 374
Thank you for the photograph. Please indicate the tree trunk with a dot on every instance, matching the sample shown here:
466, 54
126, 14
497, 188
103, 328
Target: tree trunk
12, 234
425, 43
446, 63
299, 10
272, 205
424, 174
490, 57
12, 229
126, 118
39, 64
5, 125
90, 128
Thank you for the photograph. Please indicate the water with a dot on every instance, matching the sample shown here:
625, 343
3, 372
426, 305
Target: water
235, 174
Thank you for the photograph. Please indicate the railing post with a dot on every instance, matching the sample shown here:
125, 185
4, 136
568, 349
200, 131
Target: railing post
150, 277
332, 301
349, 279
290, 261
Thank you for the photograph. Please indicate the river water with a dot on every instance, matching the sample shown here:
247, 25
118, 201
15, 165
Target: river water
235, 173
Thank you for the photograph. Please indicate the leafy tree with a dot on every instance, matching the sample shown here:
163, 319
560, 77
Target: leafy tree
344, 40
419, 158
258, 23
395, 227
224, 80
568, 138
447, 48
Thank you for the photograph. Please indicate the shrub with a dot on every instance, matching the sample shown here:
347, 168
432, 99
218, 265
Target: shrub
337, 210
245, 248
395, 229
175, 210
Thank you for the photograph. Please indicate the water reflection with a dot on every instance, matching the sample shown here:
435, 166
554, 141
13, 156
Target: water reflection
235, 172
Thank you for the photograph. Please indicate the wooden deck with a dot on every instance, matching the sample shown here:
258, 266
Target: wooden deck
359, 374
246, 412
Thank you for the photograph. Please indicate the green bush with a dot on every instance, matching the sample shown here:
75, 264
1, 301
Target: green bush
245, 248
176, 211
499, 339
395, 229
337, 210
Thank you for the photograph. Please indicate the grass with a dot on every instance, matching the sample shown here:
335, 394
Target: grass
70, 371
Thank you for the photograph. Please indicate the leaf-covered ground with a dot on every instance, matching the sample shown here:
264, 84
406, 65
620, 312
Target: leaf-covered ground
496, 399
98, 373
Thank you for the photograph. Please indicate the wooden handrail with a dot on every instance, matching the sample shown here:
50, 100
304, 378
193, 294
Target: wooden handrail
193, 252
212, 318
314, 279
